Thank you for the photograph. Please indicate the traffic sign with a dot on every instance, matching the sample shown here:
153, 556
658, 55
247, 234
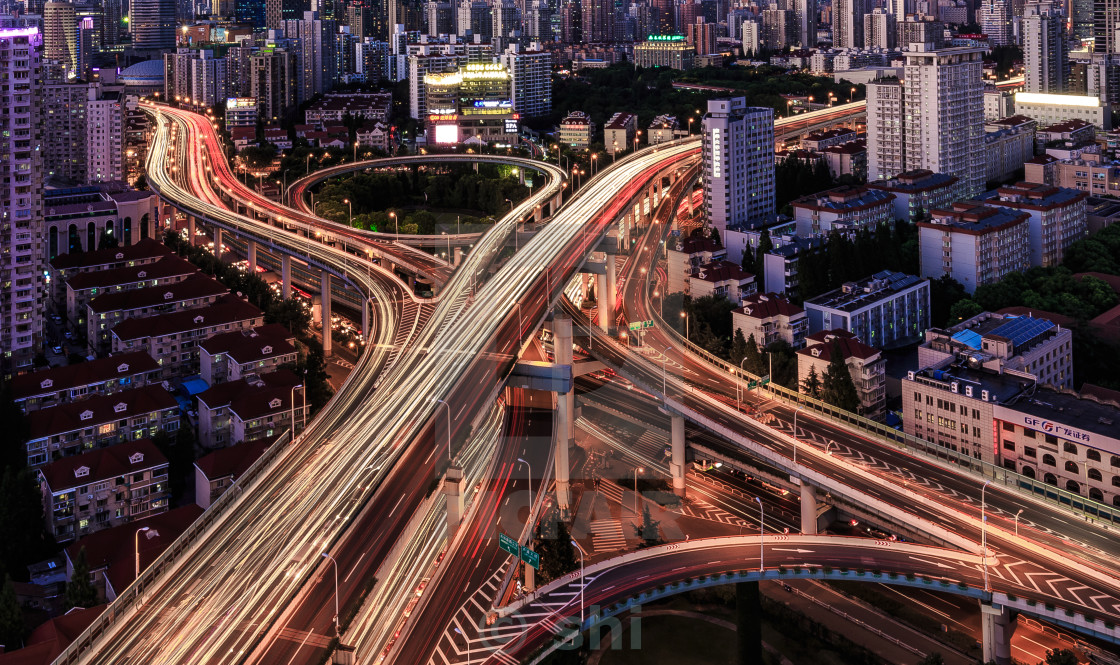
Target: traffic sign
647, 324
637, 325
530, 557
509, 544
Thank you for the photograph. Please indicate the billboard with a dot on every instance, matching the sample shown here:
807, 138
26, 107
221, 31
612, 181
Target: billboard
447, 134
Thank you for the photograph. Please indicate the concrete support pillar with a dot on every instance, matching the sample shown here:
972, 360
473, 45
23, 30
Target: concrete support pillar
326, 309
612, 290
190, 230
530, 578
286, 276
676, 466
566, 408
997, 628
452, 489
520, 175
218, 241
457, 256
605, 300
808, 509
365, 320
251, 255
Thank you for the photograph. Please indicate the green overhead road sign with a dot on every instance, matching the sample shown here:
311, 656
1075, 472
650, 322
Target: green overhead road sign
637, 325
509, 544
647, 324
530, 557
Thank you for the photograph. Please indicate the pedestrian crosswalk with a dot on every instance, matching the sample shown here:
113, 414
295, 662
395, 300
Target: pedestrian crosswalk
606, 535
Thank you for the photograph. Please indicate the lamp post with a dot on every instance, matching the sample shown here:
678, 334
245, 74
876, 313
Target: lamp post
294, 409
637, 470
739, 388
851, 94
689, 125
530, 470
795, 433
593, 157
581, 585
151, 533
355, 151
1017, 522
761, 535
468, 644
664, 363
351, 204
396, 229
448, 427
984, 534
336, 632
684, 315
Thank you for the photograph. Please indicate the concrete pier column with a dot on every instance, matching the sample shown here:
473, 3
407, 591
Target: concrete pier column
457, 256
676, 466
326, 312
997, 627
286, 276
251, 255
612, 291
808, 509
190, 230
218, 241
566, 408
453, 490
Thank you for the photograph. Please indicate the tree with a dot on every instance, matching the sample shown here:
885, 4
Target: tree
11, 617
812, 384
754, 362
837, 388
1061, 657
554, 544
21, 521
291, 314
80, 591
738, 347
258, 157
649, 530
962, 310
14, 433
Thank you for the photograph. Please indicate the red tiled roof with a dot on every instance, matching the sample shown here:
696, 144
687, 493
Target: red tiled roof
721, 271
50, 639
82, 374
233, 461
196, 286
228, 309
102, 464
114, 549
249, 345
766, 305
1042, 159
824, 335
144, 249
168, 266
230, 393
1065, 127
68, 417
850, 347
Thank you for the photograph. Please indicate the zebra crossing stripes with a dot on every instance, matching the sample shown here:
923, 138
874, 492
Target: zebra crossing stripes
606, 535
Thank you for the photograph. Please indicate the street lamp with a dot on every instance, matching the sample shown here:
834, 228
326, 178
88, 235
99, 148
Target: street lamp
851, 94
396, 229
795, 433
738, 386
467, 641
530, 470
1017, 522
351, 218
336, 631
637, 470
150, 533
664, 363
355, 151
581, 585
684, 315
761, 535
448, 427
293, 390
984, 534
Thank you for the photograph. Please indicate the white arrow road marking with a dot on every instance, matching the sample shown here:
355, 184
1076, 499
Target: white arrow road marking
932, 563
798, 551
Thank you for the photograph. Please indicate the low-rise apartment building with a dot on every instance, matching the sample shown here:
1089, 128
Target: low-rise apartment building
845, 209
866, 365
577, 130
103, 488
106, 311
248, 409
1057, 217
722, 279
770, 317
72, 383
63, 267
973, 243
173, 338
234, 355
685, 255
216, 472
620, 131
1087, 173
84, 287
886, 309
99, 422
917, 192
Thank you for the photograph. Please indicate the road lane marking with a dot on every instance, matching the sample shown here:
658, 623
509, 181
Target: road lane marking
396, 506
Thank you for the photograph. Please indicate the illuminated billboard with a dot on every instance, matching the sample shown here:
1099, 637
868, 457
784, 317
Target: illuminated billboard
241, 102
447, 134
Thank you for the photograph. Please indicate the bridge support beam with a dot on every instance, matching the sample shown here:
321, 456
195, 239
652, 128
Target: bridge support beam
218, 241
190, 230
286, 276
453, 490
251, 255
676, 465
808, 509
566, 408
997, 627
325, 309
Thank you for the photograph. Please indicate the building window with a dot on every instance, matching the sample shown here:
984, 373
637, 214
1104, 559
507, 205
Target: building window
1092, 455
1048, 460
1008, 427
1094, 474
1009, 445
1069, 448
1072, 468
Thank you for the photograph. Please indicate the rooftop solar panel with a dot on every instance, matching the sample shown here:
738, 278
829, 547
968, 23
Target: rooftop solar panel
1023, 329
970, 338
